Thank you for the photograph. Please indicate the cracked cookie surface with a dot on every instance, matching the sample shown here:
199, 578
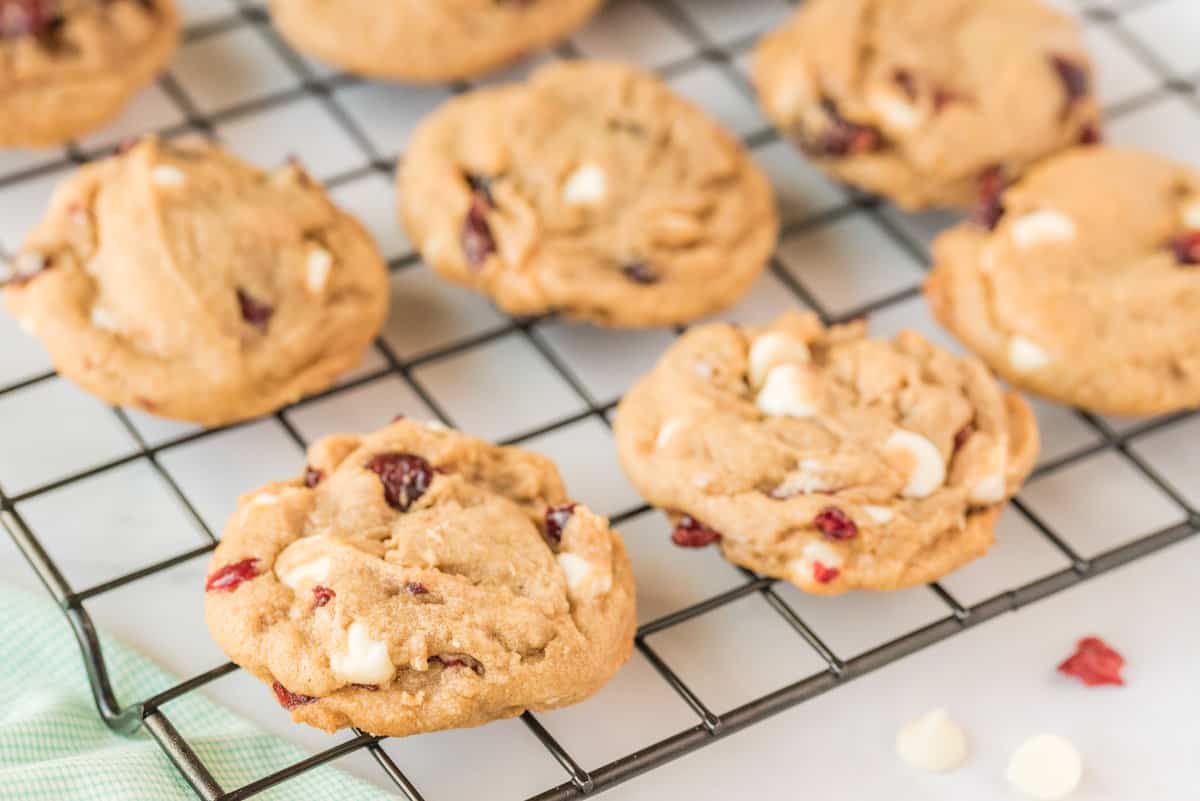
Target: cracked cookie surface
426, 40
1086, 287
922, 101
188, 284
417, 579
69, 66
825, 458
591, 190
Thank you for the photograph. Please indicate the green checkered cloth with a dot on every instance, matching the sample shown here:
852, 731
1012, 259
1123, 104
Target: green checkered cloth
54, 747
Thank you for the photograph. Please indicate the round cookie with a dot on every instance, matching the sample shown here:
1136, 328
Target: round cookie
825, 458
67, 67
186, 283
927, 101
426, 40
1086, 287
592, 190
417, 579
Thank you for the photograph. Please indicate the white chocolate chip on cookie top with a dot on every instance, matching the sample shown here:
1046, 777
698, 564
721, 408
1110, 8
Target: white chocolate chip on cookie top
824, 457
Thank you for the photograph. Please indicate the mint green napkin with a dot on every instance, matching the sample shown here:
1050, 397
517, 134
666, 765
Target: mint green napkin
53, 745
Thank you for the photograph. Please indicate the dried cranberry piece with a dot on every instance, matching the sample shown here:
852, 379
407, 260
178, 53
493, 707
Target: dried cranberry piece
1094, 663
288, 699
841, 137
556, 520
405, 477
372, 687
691, 533
230, 577
823, 574
416, 588
1186, 247
321, 596
459, 660
962, 435
1090, 134
313, 477
639, 272
254, 312
1075, 79
477, 240
905, 80
990, 209
943, 97
835, 524
28, 17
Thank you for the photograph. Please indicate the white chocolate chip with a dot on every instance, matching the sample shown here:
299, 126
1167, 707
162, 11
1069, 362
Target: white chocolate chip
1042, 226
262, 499
1045, 767
880, 514
894, 112
668, 430
814, 551
1026, 356
790, 390
314, 572
807, 479
772, 349
167, 175
320, 262
703, 370
920, 459
365, 660
436, 425
988, 490
587, 184
102, 319
584, 579
1191, 214
932, 742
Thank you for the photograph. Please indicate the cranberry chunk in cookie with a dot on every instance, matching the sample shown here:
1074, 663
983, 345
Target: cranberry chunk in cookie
823, 457
430, 580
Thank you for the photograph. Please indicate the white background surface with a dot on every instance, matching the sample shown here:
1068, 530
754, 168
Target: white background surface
1139, 742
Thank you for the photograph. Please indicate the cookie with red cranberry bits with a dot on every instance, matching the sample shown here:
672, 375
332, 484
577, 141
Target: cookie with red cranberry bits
183, 282
67, 67
927, 102
825, 458
592, 190
417, 579
426, 40
1084, 284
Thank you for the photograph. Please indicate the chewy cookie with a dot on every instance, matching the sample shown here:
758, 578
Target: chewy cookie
69, 66
825, 458
186, 283
591, 190
417, 579
426, 40
925, 101
1082, 282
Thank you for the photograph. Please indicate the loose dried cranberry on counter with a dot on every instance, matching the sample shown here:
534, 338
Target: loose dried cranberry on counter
405, 477
835, 524
691, 533
288, 699
1094, 663
231, 576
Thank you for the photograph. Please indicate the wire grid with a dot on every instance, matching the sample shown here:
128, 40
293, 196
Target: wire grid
958, 617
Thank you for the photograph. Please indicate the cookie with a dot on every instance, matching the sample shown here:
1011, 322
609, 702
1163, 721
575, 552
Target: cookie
426, 40
927, 101
592, 190
417, 579
67, 67
825, 458
183, 282
1082, 283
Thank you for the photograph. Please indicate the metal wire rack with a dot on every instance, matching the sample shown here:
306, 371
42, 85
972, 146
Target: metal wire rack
149, 712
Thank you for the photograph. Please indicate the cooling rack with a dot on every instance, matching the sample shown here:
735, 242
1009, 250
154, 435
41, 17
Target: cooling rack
347, 131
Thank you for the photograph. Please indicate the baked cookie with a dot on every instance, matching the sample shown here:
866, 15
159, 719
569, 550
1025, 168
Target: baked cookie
591, 190
426, 40
1082, 282
416, 579
186, 283
69, 66
924, 100
825, 458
